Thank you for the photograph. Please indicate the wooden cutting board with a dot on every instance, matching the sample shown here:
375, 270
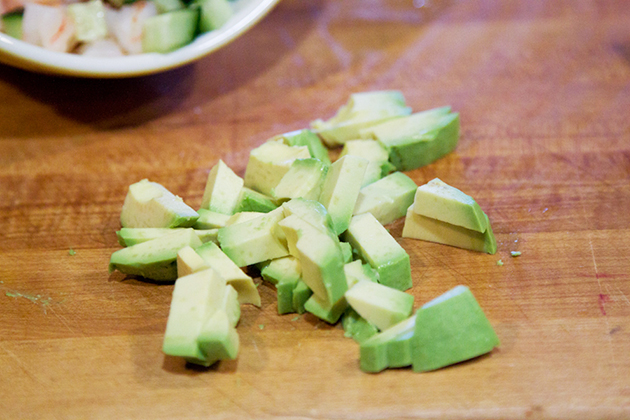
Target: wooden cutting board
543, 91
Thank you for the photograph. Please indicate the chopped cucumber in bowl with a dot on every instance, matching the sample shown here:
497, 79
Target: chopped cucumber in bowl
101, 40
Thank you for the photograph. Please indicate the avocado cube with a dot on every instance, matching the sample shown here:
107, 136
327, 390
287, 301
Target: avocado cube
309, 139
378, 248
200, 326
450, 329
381, 305
438, 200
341, 189
253, 241
188, 262
301, 294
356, 271
390, 348
218, 340
284, 273
310, 211
209, 219
346, 251
150, 205
362, 110
376, 155
322, 266
155, 259
304, 179
250, 200
433, 230
329, 311
418, 139
387, 199
223, 189
132, 236
357, 327
269, 162
230, 272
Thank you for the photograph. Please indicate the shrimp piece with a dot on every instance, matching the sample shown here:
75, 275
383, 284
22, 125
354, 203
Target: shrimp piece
126, 24
49, 27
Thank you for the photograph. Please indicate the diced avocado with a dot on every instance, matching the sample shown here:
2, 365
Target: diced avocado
378, 248
440, 201
362, 110
301, 294
357, 327
164, 6
427, 229
217, 339
230, 305
255, 240
284, 273
242, 217
11, 24
356, 271
322, 266
250, 200
450, 329
207, 235
188, 262
310, 211
132, 236
89, 20
381, 305
388, 198
419, 139
346, 251
209, 219
341, 189
195, 298
168, 31
214, 14
200, 326
309, 139
269, 162
374, 153
304, 179
149, 204
326, 310
231, 273
390, 348
223, 189
154, 259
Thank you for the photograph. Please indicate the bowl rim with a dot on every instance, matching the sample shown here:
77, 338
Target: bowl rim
31, 57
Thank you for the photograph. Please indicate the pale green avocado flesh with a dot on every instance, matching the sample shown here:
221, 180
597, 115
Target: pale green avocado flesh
451, 329
418, 139
440, 201
357, 327
388, 198
309, 139
154, 259
390, 348
250, 200
377, 247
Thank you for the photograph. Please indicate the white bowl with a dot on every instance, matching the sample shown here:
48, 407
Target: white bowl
30, 57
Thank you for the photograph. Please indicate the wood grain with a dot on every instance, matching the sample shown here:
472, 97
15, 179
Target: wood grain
543, 89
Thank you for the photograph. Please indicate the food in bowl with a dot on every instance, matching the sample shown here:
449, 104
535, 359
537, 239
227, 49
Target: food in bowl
112, 28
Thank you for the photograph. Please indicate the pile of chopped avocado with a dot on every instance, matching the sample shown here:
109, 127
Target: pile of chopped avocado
314, 229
